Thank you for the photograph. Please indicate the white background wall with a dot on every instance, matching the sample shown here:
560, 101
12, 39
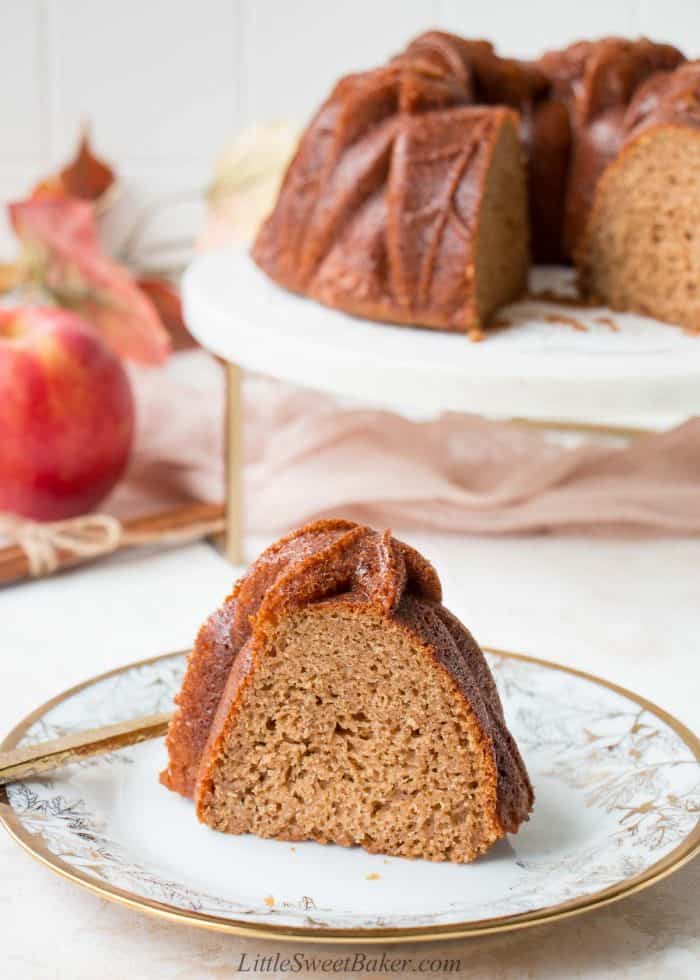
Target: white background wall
164, 83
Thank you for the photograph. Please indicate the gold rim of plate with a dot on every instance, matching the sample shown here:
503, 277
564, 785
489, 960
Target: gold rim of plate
674, 860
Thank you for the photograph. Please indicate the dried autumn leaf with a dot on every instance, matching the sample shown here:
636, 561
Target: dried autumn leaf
85, 177
63, 255
166, 298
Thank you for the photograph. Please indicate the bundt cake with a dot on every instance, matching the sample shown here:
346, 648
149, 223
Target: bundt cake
410, 200
333, 698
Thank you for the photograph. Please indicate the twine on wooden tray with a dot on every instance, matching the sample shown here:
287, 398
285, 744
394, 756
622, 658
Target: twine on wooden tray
50, 546
83, 537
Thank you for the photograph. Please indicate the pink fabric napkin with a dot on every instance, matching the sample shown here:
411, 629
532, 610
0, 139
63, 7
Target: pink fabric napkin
306, 457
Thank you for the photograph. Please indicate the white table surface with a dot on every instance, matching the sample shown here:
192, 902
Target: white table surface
626, 610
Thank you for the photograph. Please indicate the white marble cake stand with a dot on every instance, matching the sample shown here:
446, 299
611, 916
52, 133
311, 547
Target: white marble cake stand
616, 370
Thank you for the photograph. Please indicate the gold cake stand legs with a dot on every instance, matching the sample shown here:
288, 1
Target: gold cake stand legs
232, 543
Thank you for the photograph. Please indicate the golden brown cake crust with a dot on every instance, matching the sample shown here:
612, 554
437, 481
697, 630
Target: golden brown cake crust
340, 562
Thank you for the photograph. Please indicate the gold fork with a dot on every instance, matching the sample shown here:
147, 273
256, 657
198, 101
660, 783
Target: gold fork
34, 760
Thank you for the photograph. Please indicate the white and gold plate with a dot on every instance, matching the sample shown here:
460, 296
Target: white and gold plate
617, 785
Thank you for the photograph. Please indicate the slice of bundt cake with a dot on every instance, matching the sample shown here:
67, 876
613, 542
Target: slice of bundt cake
333, 698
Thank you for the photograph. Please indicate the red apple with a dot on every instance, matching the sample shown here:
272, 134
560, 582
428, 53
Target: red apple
66, 414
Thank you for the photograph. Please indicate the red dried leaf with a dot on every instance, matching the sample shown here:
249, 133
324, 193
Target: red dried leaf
63, 255
85, 177
165, 297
